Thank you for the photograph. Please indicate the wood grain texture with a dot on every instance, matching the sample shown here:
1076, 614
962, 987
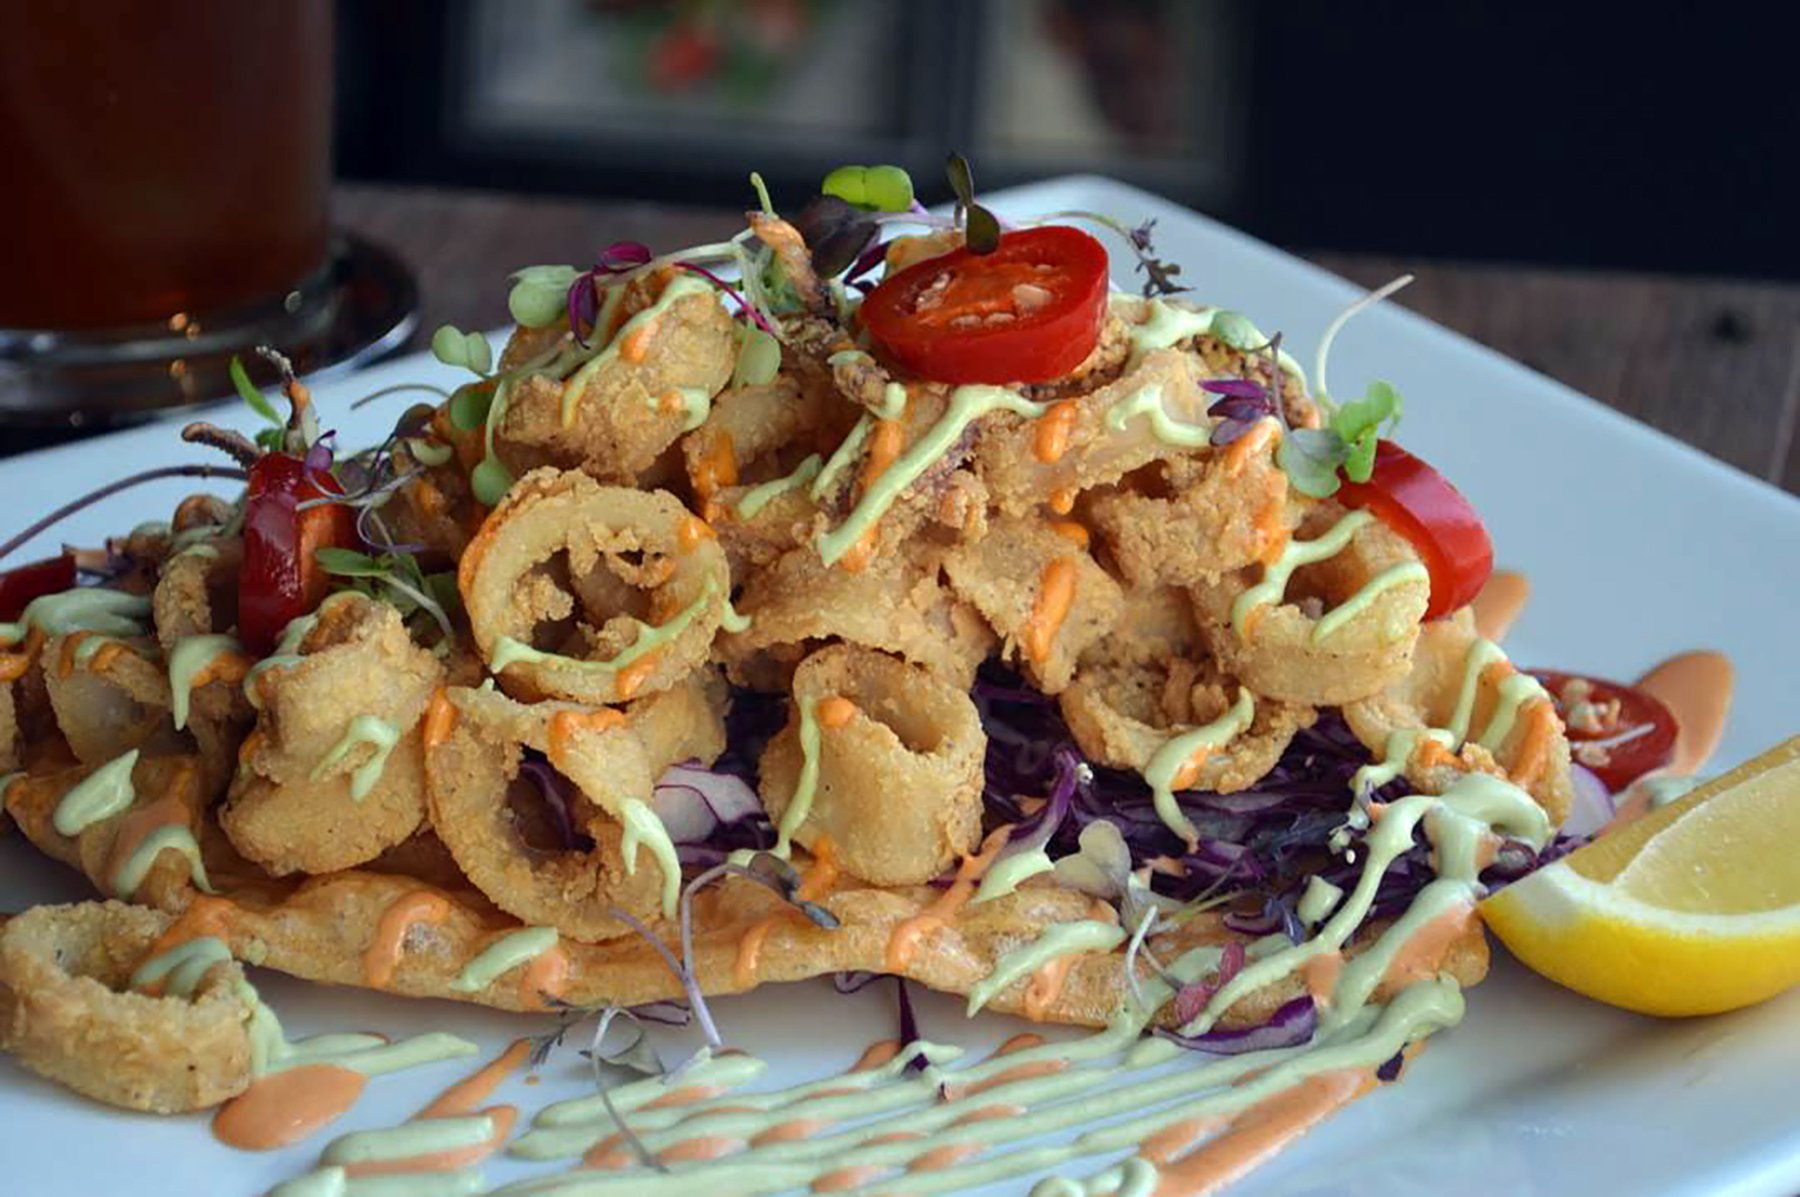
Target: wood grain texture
1713, 362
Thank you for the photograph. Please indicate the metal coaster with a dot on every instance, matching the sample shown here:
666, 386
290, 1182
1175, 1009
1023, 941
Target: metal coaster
360, 307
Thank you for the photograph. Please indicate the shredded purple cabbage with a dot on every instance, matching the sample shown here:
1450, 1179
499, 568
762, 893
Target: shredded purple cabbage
1264, 841
555, 789
1289, 1026
854, 982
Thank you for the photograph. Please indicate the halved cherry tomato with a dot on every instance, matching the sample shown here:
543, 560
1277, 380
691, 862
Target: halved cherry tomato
280, 581
18, 587
1419, 503
1616, 731
1028, 312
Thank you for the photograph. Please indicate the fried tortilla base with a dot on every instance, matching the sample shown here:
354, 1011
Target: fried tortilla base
321, 928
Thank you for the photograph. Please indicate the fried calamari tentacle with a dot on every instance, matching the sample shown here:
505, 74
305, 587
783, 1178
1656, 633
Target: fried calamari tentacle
899, 605
619, 410
1041, 593
882, 759
530, 860
69, 1015
1122, 715
333, 774
1331, 619
1488, 717
590, 593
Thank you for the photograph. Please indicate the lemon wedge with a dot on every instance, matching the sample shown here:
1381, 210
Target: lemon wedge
1692, 909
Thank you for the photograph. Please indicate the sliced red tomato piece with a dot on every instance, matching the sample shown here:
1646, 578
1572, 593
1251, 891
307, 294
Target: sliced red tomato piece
280, 581
19, 586
1616, 731
1419, 503
1030, 311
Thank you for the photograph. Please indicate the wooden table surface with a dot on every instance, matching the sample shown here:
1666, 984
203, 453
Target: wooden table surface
1715, 362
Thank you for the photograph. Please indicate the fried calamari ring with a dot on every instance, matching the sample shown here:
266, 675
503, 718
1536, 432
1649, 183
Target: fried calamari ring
136, 826
108, 694
898, 605
683, 723
895, 780
621, 408
1215, 514
1041, 593
333, 774
1341, 628
66, 1013
1122, 714
1465, 685
496, 821
1085, 441
591, 593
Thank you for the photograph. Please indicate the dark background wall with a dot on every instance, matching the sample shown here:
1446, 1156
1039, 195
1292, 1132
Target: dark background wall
1643, 136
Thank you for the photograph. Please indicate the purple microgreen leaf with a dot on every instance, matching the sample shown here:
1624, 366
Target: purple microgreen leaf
1236, 388
836, 233
622, 257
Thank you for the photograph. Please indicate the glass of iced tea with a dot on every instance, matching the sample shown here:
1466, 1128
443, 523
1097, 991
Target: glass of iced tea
169, 166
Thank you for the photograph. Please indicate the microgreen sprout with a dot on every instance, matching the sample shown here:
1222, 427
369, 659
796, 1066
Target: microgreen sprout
871, 188
1159, 276
1313, 457
981, 228
395, 578
12, 544
1322, 392
468, 350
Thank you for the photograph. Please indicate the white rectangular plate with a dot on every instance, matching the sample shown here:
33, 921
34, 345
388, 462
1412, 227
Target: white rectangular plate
1636, 547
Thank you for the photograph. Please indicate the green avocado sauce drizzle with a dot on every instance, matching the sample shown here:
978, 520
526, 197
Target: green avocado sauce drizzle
1116, 1084
967, 404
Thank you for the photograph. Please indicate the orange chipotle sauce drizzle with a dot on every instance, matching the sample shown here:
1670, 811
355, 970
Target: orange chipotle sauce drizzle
205, 915
439, 721
815, 884
1696, 687
382, 956
544, 977
1499, 604
285, 1107
1256, 1134
903, 941
566, 725
1050, 436
1073, 531
835, 711
1055, 596
466, 1095
691, 532
135, 826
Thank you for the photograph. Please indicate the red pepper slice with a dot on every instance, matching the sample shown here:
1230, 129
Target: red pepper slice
280, 581
18, 587
1419, 503
1030, 311
1620, 733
